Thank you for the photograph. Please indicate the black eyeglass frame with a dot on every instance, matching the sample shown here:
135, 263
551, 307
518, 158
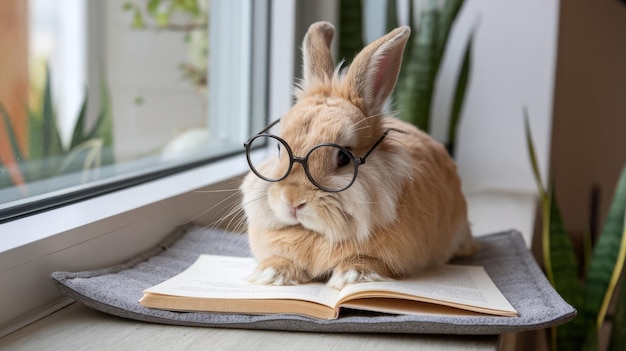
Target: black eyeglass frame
356, 161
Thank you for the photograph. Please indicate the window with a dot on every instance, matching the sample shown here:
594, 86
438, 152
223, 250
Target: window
121, 92
101, 230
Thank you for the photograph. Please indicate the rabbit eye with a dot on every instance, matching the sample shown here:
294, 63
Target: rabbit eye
342, 158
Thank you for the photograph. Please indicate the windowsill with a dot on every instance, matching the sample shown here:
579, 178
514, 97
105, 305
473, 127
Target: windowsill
100, 232
489, 211
105, 206
492, 211
79, 327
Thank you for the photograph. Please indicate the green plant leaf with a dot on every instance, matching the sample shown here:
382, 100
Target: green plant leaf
162, 18
188, 6
587, 251
138, 21
607, 260
51, 139
590, 342
153, 6
533, 155
16, 150
459, 97
33, 168
406, 56
350, 29
8, 126
35, 136
618, 330
558, 256
78, 135
564, 272
103, 127
415, 92
449, 13
392, 15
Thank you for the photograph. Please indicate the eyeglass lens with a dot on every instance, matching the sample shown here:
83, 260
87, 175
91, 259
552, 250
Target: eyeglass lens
328, 166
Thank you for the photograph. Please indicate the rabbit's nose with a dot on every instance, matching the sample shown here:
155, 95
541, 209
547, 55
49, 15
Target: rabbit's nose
293, 201
294, 209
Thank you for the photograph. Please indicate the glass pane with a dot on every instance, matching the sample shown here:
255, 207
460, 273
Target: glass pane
106, 90
270, 166
331, 167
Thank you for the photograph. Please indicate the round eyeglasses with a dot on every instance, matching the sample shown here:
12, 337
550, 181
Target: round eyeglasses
330, 167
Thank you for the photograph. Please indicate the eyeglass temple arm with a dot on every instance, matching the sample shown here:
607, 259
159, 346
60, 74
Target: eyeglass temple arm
380, 140
269, 127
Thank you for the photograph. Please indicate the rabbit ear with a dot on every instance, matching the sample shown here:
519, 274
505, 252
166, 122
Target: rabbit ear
317, 62
374, 71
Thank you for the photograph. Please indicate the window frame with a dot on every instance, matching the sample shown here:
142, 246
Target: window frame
113, 227
245, 24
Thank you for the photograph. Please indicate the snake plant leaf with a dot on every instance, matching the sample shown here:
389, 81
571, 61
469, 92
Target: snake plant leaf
564, 271
558, 256
10, 130
459, 98
533, 155
562, 258
78, 135
415, 93
406, 56
449, 12
17, 173
607, 261
618, 330
51, 142
35, 135
33, 167
103, 127
350, 29
392, 15
590, 342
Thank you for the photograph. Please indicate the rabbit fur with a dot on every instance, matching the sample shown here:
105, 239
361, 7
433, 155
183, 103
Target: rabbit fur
404, 213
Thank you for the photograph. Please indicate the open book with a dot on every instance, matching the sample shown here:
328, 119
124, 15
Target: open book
218, 284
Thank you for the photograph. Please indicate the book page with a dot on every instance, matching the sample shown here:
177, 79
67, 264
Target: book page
456, 285
224, 277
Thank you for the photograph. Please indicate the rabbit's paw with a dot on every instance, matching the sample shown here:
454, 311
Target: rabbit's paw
342, 278
278, 271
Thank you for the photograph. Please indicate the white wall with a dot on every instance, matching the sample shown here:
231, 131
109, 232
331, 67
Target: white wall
513, 65
144, 63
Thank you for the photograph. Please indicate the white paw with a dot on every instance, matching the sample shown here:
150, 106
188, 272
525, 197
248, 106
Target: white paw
340, 279
269, 276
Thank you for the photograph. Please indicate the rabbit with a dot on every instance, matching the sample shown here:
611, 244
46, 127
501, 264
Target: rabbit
404, 212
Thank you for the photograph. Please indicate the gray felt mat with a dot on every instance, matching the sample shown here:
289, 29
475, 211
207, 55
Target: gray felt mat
117, 289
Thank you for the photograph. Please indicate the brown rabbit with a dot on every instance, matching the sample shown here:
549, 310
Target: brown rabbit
352, 195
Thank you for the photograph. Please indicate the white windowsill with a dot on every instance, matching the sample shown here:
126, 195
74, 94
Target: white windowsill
100, 232
489, 211
66, 218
